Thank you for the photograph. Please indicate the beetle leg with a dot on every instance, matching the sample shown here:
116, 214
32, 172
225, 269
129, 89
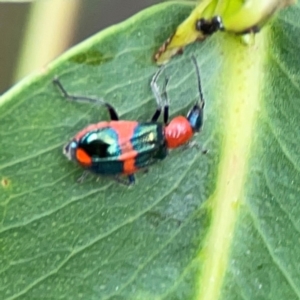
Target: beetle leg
145, 170
161, 99
166, 101
193, 144
112, 112
130, 182
83, 177
157, 95
131, 179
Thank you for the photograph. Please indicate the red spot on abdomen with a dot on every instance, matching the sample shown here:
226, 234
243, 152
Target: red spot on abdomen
178, 132
125, 131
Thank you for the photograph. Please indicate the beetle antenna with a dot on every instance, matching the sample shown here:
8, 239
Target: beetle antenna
201, 98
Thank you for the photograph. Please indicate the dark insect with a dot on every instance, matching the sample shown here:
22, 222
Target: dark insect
119, 147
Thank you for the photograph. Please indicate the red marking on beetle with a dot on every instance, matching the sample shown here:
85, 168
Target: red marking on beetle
178, 132
89, 128
83, 157
129, 166
129, 162
125, 131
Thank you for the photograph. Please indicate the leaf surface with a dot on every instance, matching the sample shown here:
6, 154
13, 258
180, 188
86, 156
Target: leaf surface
223, 225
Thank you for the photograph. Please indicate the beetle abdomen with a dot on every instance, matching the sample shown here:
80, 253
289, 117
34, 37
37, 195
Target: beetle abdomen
122, 147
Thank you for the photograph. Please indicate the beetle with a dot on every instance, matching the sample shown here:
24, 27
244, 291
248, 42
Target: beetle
122, 147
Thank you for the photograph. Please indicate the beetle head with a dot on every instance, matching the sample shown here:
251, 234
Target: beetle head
195, 117
70, 150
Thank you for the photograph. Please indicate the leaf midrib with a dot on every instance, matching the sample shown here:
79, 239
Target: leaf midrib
241, 78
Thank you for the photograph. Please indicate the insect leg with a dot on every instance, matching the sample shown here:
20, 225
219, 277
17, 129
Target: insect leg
83, 176
112, 112
157, 95
193, 144
166, 101
130, 182
131, 179
201, 98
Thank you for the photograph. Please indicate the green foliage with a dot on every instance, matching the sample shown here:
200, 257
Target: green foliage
100, 240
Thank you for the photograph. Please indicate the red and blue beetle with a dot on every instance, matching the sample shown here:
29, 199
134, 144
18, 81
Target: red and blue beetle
118, 147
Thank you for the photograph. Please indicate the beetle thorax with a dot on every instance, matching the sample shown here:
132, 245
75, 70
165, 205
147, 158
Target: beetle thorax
178, 132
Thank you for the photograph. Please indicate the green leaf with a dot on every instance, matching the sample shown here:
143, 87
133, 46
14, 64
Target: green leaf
224, 225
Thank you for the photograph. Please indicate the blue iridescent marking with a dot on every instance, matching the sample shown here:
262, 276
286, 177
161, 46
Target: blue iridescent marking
149, 142
103, 147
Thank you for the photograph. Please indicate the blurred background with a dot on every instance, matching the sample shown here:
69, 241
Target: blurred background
34, 33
